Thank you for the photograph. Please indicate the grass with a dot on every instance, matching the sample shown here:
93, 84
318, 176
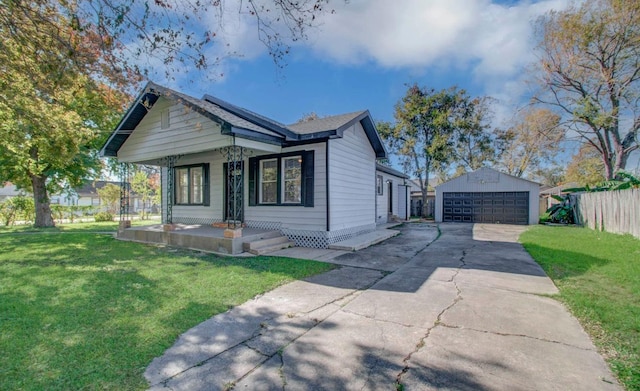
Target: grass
83, 311
598, 275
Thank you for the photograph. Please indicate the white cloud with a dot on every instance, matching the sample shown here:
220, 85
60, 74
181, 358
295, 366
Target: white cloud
482, 36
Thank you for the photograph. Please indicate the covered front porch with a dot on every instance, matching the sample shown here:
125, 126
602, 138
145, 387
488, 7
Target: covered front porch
207, 238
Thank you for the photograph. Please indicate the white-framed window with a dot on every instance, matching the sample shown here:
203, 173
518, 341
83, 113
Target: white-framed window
269, 181
379, 187
292, 180
191, 185
283, 179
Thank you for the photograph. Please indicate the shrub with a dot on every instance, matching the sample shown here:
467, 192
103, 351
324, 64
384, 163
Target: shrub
17, 208
103, 216
7, 213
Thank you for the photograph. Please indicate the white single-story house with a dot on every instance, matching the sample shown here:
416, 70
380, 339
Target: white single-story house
314, 181
488, 196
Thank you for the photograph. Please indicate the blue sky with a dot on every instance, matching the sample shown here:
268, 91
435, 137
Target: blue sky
363, 56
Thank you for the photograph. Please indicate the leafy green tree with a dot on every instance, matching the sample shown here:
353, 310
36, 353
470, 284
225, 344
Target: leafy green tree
177, 34
53, 113
143, 183
16, 208
473, 144
429, 125
110, 197
62, 63
552, 176
589, 70
534, 139
586, 167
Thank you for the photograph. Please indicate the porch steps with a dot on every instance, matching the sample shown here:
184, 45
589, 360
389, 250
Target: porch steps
268, 245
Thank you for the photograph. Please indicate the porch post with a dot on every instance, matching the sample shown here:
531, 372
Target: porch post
171, 163
125, 185
234, 203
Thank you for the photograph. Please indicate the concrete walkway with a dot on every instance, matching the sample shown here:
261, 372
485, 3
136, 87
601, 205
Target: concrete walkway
419, 310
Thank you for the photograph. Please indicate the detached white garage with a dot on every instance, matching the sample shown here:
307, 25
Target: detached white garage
488, 196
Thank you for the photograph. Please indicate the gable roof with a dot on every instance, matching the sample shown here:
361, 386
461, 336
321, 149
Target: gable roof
235, 120
324, 124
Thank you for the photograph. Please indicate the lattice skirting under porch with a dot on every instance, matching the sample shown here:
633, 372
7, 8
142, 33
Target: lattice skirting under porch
264, 224
302, 238
322, 239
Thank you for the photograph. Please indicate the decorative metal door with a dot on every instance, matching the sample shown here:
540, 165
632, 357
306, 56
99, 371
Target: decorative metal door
234, 176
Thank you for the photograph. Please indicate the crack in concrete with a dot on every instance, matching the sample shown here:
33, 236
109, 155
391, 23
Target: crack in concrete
354, 293
373, 317
517, 335
317, 322
258, 333
245, 344
281, 371
437, 322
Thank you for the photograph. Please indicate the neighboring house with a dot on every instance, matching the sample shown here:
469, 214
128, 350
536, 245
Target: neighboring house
9, 190
314, 181
488, 196
546, 201
392, 195
86, 195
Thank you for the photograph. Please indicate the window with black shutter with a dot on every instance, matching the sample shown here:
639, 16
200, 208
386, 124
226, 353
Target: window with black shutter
285, 179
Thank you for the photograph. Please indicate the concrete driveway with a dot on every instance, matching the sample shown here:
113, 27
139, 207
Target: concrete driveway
450, 307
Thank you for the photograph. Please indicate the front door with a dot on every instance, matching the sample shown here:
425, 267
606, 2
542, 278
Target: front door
233, 190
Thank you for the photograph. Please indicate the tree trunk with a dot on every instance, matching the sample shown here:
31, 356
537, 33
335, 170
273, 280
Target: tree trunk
425, 190
41, 201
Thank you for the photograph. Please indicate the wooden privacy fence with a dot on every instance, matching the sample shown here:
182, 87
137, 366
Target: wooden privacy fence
611, 211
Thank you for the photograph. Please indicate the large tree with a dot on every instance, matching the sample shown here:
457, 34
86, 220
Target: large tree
62, 63
473, 142
428, 125
136, 35
589, 68
52, 109
585, 167
533, 139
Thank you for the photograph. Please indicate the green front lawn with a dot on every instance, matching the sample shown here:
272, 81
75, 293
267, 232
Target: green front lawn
105, 226
598, 275
84, 311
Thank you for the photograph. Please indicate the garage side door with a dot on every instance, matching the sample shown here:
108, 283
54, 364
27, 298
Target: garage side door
511, 207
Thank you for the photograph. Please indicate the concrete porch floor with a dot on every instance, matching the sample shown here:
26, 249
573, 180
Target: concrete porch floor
196, 237
211, 239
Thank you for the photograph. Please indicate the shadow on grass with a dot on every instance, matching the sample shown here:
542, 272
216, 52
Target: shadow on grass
83, 311
563, 264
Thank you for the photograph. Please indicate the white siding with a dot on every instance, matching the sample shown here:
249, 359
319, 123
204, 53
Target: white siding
189, 132
403, 202
351, 180
488, 180
213, 212
399, 198
296, 217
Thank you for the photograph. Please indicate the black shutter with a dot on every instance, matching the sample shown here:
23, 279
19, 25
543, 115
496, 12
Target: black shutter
308, 172
205, 186
253, 175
